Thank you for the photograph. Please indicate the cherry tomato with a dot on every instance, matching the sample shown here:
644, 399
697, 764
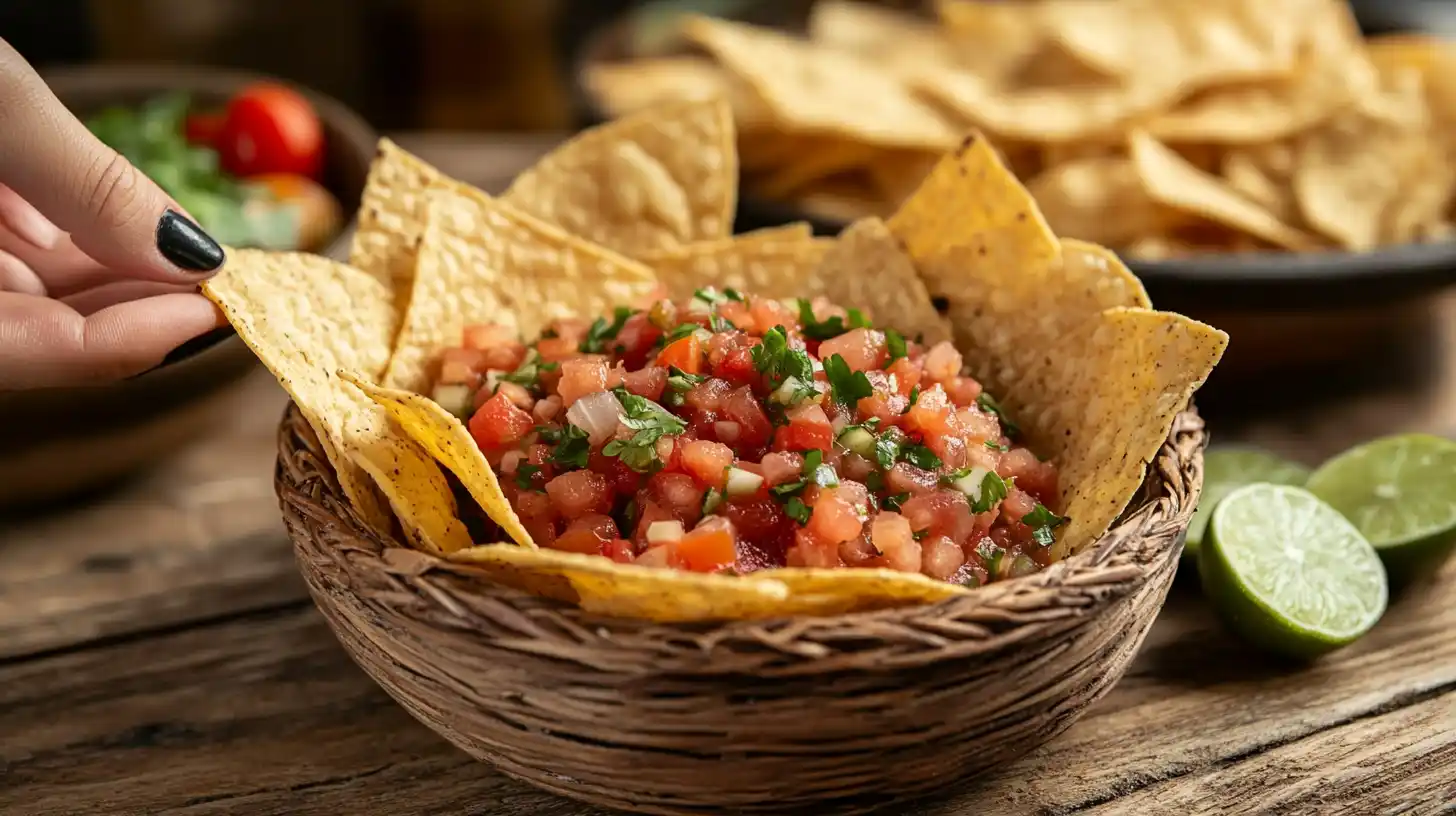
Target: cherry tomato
203, 128
270, 128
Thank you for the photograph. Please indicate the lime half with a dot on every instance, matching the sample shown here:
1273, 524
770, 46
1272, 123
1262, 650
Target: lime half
1289, 573
1225, 469
1400, 492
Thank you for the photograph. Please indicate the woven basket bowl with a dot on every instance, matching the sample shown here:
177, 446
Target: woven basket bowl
825, 715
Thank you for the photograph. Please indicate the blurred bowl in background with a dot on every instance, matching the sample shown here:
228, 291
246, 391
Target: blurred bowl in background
1281, 309
62, 441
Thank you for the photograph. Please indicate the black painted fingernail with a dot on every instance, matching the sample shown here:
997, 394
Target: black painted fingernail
186, 245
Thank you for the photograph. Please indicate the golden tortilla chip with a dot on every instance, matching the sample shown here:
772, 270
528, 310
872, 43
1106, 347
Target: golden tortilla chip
816, 159
1173, 182
816, 89
656, 179
901, 43
1249, 176
867, 267
993, 40
483, 261
843, 591
439, 432
305, 317
392, 216
769, 263
625, 88
1098, 199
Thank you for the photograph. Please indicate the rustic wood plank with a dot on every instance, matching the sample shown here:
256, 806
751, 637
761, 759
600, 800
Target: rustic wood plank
265, 714
1400, 762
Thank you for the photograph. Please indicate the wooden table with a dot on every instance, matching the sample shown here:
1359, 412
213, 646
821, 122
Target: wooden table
159, 654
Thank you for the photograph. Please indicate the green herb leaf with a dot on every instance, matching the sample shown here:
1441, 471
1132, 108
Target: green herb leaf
993, 490
920, 456
849, 387
816, 329
988, 403
573, 448
547, 434
682, 330
894, 502
995, 445
601, 331
887, 447
895, 343
1042, 522
777, 360
797, 510
712, 296
875, 481
528, 373
651, 422
914, 398
524, 472
919, 535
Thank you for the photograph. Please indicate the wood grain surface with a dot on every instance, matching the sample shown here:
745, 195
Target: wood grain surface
159, 655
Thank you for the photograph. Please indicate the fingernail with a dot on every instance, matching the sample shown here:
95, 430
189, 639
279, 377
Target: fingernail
186, 245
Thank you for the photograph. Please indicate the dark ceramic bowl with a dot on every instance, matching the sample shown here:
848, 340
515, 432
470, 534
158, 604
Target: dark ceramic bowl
1281, 309
58, 442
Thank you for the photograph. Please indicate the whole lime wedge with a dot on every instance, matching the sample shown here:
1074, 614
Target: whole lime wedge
1228, 468
1290, 574
1400, 492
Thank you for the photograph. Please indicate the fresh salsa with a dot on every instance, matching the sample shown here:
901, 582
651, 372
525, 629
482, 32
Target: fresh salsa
732, 433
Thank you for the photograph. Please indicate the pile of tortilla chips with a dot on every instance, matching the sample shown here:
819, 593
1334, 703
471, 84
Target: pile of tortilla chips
1156, 127
641, 208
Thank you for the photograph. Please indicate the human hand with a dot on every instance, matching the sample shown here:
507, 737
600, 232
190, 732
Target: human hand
98, 267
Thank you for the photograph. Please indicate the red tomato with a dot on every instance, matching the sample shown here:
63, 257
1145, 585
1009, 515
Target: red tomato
809, 428
499, 422
709, 548
269, 128
590, 534
686, 353
203, 128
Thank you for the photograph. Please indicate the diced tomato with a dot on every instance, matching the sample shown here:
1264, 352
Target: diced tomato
588, 534
707, 461
499, 422
977, 425
931, 413
624, 480
679, 494
780, 468
461, 365
685, 353
944, 512
708, 395
834, 519
634, 342
906, 374
862, 349
765, 531
859, 552
809, 428
709, 547
1013, 509
962, 390
739, 315
811, 551
517, 394
579, 377
754, 428
703, 425
557, 349
768, 313
1032, 475
503, 351
940, 558
535, 512
620, 550
647, 382
892, 536
649, 511
580, 492
731, 357
942, 362
886, 407
546, 409
951, 449
906, 478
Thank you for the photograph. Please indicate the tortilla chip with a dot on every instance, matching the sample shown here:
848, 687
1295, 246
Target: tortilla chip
438, 431
1173, 182
656, 179
305, 317
843, 591
483, 261
901, 43
1247, 175
1098, 199
1435, 60
816, 159
769, 263
626, 88
392, 217
815, 89
993, 40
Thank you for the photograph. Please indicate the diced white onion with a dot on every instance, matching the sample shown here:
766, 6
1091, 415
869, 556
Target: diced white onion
664, 532
511, 460
743, 483
727, 430
456, 398
597, 414
839, 423
970, 484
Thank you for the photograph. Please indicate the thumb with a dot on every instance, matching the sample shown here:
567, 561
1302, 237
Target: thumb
114, 213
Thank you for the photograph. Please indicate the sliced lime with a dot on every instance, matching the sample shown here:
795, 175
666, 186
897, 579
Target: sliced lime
1225, 469
1289, 573
1400, 492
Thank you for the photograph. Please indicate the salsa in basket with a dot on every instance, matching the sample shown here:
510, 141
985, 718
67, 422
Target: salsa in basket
659, 419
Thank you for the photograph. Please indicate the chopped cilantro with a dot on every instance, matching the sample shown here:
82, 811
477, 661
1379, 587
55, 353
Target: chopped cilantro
914, 398
547, 434
919, 535
528, 373
815, 329
712, 296
993, 490
682, 330
679, 382
895, 343
601, 331
988, 404
875, 481
920, 456
887, 447
777, 360
848, 387
573, 449
629, 514
797, 510
995, 445
1042, 522
894, 502
524, 472
651, 422
719, 323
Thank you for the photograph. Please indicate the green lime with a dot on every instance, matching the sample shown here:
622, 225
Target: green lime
1400, 492
1289, 573
1225, 469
